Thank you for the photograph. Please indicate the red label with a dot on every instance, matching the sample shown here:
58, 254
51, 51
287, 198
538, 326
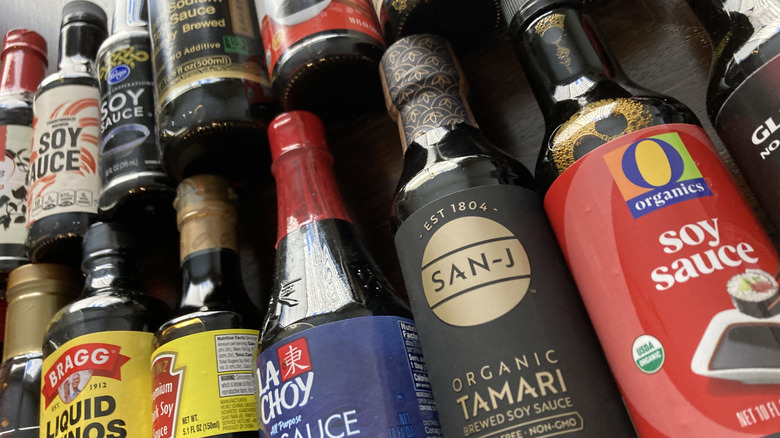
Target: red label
283, 27
166, 384
294, 359
96, 358
673, 268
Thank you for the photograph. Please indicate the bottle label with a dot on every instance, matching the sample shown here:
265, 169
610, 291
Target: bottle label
63, 174
14, 164
356, 377
505, 335
748, 123
679, 279
204, 384
96, 385
285, 25
196, 41
128, 142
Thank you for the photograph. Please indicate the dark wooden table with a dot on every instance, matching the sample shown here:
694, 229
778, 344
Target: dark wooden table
659, 44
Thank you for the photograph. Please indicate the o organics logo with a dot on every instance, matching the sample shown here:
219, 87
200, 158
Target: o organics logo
655, 172
474, 270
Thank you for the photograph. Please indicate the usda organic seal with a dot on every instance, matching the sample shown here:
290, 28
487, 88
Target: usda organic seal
648, 354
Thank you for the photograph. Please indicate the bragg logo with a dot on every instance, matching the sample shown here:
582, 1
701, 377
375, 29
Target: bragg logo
655, 172
474, 270
71, 372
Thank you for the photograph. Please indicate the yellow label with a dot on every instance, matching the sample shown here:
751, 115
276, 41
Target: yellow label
204, 384
98, 385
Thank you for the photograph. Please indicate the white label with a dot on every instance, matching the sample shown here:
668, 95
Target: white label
235, 352
63, 174
14, 162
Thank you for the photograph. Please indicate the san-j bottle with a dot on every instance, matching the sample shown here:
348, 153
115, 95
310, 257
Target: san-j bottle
63, 181
674, 269
323, 56
741, 101
35, 293
133, 181
204, 358
213, 93
340, 355
95, 376
24, 66
506, 337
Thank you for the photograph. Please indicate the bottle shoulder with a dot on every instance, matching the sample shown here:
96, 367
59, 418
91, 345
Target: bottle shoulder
203, 321
80, 74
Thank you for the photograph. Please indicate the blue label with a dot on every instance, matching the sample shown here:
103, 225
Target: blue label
118, 74
357, 377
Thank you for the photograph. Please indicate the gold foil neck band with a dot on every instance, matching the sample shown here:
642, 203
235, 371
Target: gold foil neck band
206, 214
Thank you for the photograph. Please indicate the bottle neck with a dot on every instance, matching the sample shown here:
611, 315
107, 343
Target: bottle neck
306, 189
212, 280
128, 17
564, 61
79, 43
22, 71
108, 273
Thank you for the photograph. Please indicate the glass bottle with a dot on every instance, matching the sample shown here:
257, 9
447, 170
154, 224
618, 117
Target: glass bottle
495, 306
96, 350
336, 334
745, 65
213, 94
35, 293
63, 181
24, 63
674, 268
133, 182
468, 25
208, 351
322, 57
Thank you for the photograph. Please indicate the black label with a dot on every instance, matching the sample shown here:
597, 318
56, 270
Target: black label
509, 347
748, 124
128, 142
197, 41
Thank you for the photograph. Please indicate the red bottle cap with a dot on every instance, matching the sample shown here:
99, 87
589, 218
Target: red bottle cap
24, 60
306, 188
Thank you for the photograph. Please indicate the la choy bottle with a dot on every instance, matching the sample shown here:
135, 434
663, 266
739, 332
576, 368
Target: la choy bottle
204, 359
63, 181
340, 355
674, 268
507, 341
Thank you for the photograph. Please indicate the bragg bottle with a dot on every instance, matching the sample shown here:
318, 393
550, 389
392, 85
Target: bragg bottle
133, 180
63, 182
35, 293
467, 25
24, 66
745, 65
95, 376
204, 358
322, 56
213, 93
509, 346
340, 355
674, 269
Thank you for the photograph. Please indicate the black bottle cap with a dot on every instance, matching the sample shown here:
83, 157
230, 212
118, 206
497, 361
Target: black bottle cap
524, 10
84, 11
105, 238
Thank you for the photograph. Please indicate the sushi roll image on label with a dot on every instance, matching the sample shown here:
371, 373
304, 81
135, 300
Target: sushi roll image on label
754, 293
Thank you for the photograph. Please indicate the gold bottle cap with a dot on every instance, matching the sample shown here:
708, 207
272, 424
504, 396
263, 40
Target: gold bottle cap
206, 214
35, 293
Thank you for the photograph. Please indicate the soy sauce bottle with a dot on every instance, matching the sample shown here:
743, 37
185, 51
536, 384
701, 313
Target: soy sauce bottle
24, 66
335, 333
213, 94
207, 352
744, 66
97, 349
494, 304
657, 235
63, 181
35, 293
133, 181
